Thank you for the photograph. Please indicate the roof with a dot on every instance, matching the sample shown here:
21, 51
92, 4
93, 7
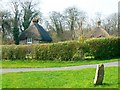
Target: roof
44, 34
36, 32
98, 32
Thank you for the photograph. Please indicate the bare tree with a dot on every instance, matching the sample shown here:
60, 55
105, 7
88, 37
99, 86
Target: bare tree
111, 24
49, 26
6, 22
98, 16
57, 22
75, 19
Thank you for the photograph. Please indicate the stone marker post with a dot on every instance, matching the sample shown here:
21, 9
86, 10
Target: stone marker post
99, 75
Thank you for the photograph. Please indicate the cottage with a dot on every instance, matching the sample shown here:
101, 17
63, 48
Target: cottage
35, 34
98, 32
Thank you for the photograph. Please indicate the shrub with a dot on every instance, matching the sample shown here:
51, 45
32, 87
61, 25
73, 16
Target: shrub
8, 52
69, 50
66, 50
56, 51
20, 52
82, 49
13, 52
104, 47
53, 51
41, 52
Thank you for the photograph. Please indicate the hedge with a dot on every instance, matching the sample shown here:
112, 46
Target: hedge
56, 51
14, 52
70, 50
104, 47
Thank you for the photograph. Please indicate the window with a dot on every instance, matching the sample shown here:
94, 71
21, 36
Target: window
29, 40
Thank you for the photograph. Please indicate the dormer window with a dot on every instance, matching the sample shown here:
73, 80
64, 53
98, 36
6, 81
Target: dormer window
29, 40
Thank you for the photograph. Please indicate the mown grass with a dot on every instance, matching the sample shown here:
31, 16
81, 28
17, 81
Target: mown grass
82, 78
47, 63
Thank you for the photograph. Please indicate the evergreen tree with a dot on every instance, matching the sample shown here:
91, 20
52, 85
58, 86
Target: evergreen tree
15, 24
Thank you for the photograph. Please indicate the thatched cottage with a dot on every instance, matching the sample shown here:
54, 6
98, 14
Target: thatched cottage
35, 34
98, 32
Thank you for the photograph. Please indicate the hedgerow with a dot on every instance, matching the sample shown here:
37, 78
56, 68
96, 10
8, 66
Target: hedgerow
104, 47
56, 51
14, 52
70, 50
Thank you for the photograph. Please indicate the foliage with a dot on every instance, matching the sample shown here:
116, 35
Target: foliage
16, 35
104, 47
69, 50
82, 78
16, 24
14, 52
56, 51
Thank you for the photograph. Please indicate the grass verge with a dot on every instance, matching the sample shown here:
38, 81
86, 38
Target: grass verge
47, 63
82, 78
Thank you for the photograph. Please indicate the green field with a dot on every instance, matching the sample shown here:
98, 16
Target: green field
47, 63
82, 78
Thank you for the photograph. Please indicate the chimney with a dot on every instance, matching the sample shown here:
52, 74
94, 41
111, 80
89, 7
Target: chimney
98, 23
35, 20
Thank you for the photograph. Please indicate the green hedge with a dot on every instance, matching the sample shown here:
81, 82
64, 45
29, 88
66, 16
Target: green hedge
71, 50
104, 47
56, 51
14, 52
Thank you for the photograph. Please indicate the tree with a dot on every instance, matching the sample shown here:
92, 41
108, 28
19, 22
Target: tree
111, 24
24, 12
49, 26
6, 25
5, 22
57, 22
15, 22
29, 12
71, 14
74, 18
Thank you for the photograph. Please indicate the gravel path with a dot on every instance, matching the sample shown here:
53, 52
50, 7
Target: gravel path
2, 71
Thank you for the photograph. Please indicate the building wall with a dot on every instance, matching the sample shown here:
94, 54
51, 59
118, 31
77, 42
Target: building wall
35, 42
25, 42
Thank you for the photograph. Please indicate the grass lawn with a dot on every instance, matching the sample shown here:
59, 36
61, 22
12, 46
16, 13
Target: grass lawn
82, 78
45, 64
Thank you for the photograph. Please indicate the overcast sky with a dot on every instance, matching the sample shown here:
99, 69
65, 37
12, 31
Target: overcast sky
105, 7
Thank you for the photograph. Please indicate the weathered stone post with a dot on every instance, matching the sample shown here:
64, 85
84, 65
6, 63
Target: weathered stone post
99, 75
